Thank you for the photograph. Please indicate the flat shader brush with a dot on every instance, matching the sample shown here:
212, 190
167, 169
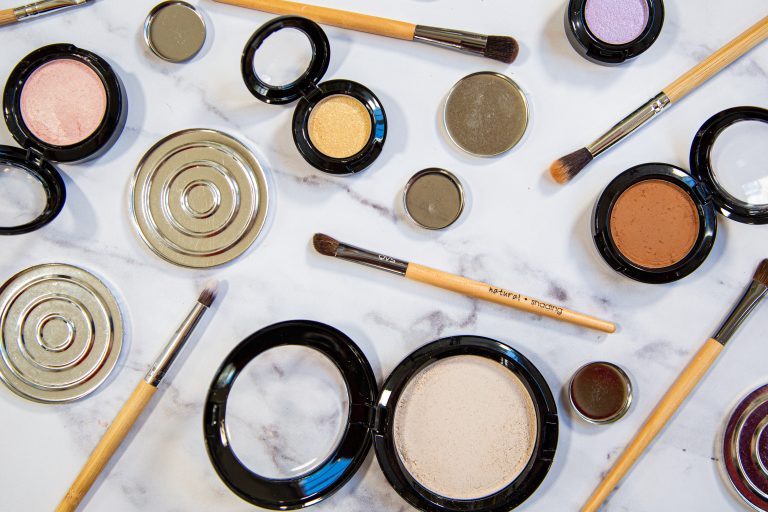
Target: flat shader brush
501, 48
682, 387
328, 246
14, 15
564, 169
136, 403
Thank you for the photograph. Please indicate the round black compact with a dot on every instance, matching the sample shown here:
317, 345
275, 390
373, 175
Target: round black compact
339, 126
61, 104
486, 398
657, 223
610, 32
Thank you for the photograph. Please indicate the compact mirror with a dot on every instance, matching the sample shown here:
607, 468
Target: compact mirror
22, 196
287, 411
740, 161
283, 57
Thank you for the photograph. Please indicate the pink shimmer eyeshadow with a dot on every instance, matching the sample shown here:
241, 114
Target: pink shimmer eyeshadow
616, 21
63, 102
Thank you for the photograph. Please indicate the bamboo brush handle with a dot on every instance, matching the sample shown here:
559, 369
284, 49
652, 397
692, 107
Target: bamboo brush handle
7, 17
710, 66
335, 17
666, 408
490, 293
112, 439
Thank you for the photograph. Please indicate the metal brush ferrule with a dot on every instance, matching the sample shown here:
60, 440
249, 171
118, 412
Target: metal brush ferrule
174, 346
456, 39
371, 259
629, 124
44, 6
754, 293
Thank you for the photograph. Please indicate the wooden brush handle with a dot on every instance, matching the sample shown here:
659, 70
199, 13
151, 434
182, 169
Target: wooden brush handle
112, 439
710, 66
504, 297
335, 17
666, 408
7, 17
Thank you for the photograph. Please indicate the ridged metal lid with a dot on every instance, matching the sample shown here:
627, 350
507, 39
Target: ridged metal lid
199, 198
61, 332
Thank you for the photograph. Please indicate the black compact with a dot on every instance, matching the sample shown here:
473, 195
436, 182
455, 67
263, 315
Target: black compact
738, 193
61, 104
370, 421
592, 30
339, 126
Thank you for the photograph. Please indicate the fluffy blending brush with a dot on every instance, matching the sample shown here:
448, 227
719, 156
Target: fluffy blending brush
567, 167
138, 400
328, 246
682, 387
502, 48
10, 16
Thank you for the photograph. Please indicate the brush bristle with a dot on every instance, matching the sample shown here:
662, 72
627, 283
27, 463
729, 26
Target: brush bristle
502, 48
208, 295
325, 245
7, 16
564, 169
761, 274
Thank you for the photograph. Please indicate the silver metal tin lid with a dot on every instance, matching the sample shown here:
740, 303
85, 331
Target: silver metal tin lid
199, 198
745, 449
433, 198
61, 332
174, 31
486, 113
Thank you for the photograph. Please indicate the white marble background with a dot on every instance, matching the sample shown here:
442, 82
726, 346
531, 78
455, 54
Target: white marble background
519, 231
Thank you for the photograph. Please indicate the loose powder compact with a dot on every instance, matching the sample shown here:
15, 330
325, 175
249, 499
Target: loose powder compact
462, 424
174, 31
600, 392
61, 104
745, 449
486, 114
610, 32
657, 223
339, 126
61, 332
199, 198
433, 198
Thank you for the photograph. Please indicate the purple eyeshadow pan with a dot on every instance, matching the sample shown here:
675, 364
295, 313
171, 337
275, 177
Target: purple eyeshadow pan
616, 22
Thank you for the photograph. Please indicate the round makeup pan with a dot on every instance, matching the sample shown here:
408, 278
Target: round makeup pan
339, 126
61, 104
610, 32
486, 114
657, 223
456, 403
433, 198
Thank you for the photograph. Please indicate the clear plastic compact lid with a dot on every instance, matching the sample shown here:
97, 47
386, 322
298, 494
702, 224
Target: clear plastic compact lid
729, 156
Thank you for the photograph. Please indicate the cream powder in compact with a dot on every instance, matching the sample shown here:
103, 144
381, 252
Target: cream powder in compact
339, 126
465, 427
63, 102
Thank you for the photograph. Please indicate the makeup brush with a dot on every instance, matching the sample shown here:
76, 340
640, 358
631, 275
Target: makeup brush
11, 16
502, 48
564, 169
682, 387
328, 246
136, 403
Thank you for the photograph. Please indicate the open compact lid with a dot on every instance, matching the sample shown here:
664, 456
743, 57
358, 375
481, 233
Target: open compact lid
30, 172
729, 155
282, 93
345, 458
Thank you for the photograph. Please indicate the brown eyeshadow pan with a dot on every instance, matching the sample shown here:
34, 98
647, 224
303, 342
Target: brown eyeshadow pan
654, 224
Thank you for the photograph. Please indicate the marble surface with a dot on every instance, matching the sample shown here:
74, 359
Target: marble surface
519, 231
